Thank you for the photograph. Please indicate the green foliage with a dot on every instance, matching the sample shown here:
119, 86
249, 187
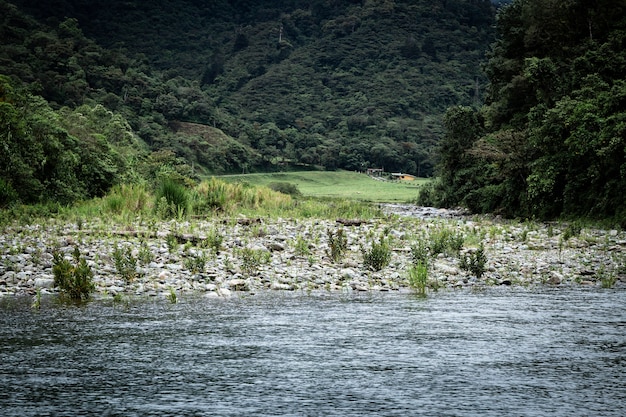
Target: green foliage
196, 263
213, 195
418, 277
549, 141
302, 246
8, 195
572, 230
607, 278
420, 252
252, 259
172, 199
474, 261
378, 255
214, 240
145, 255
125, 263
171, 296
132, 199
171, 241
322, 95
285, 188
337, 244
441, 240
74, 280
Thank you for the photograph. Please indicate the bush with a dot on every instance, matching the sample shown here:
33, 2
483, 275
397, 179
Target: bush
285, 188
474, 261
74, 281
125, 263
195, 263
214, 241
251, 259
176, 198
378, 256
8, 195
132, 198
337, 244
212, 195
420, 252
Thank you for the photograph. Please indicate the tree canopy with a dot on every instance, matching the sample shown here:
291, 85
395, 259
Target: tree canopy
319, 83
551, 138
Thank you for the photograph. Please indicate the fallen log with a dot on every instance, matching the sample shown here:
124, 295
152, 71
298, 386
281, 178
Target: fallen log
351, 222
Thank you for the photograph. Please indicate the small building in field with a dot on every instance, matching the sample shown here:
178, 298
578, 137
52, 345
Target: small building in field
377, 172
402, 177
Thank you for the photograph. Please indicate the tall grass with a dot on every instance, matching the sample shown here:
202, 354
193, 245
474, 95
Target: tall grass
130, 198
418, 278
172, 199
217, 196
211, 197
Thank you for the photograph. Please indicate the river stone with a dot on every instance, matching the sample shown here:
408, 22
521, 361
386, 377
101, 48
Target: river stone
359, 286
44, 282
555, 278
224, 292
238, 284
115, 290
347, 273
275, 247
281, 286
446, 269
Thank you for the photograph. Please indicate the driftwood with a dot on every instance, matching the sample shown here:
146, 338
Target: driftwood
351, 222
180, 237
244, 221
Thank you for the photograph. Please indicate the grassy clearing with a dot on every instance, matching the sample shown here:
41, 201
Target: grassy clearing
214, 197
338, 184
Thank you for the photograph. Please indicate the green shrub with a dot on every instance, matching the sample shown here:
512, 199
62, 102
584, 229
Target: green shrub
337, 245
74, 280
145, 255
196, 264
285, 188
474, 261
420, 252
125, 263
177, 198
572, 230
251, 259
302, 246
418, 277
8, 195
214, 241
378, 256
212, 195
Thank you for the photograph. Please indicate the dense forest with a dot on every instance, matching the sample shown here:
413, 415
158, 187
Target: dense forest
96, 93
550, 140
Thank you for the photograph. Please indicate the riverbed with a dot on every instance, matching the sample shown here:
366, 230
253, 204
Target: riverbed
558, 351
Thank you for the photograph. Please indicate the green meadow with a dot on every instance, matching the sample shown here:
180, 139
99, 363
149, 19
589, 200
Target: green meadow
338, 184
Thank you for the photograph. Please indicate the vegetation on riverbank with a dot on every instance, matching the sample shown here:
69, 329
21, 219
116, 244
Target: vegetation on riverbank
550, 140
219, 237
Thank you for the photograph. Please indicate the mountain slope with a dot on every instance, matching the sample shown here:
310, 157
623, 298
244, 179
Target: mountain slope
346, 84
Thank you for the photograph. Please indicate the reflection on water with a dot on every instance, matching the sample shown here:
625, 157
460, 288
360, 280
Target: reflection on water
502, 352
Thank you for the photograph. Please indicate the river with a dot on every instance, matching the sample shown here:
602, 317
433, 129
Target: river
495, 352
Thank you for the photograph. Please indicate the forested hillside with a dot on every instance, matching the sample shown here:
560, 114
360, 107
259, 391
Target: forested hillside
232, 86
551, 139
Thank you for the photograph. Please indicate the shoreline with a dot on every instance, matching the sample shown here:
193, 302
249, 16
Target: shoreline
293, 254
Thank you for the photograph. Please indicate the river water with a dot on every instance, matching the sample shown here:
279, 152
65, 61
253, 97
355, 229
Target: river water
499, 352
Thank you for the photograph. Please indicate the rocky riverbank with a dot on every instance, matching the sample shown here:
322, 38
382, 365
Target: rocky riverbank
219, 257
